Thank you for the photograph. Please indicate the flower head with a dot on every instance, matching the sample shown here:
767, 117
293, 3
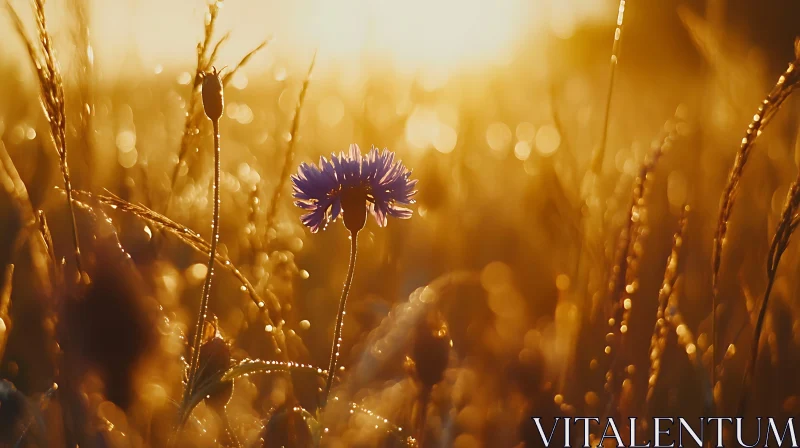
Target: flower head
350, 185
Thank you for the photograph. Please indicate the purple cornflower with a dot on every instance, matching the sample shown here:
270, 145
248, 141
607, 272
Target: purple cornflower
350, 184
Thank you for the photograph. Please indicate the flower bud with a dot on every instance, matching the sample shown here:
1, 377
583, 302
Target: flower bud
213, 102
215, 358
290, 427
430, 350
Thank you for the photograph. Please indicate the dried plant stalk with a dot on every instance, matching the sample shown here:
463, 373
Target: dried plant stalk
599, 155
624, 282
658, 340
14, 186
184, 234
194, 113
5, 302
42, 55
290, 147
790, 218
766, 111
84, 58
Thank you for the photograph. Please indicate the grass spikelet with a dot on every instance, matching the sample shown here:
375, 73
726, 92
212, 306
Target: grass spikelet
790, 218
184, 234
787, 82
290, 148
43, 58
84, 58
193, 111
658, 340
624, 282
206, 57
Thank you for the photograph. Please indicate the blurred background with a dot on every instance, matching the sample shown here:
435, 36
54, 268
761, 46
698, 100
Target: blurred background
499, 107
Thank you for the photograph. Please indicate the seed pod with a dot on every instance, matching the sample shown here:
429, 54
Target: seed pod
213, 102
290, 427
215, 358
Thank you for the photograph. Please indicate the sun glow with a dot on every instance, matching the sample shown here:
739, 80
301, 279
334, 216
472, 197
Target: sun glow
414, 34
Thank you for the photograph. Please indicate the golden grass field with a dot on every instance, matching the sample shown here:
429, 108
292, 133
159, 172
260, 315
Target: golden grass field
576, 221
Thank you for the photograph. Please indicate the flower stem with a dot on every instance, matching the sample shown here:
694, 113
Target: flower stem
337, 333
201, 313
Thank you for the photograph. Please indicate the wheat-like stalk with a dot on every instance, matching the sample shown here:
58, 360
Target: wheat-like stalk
624, 282
42, 55
790, 218
183, 233
658, 341
787, 82
206, 57
290, 150
84, 58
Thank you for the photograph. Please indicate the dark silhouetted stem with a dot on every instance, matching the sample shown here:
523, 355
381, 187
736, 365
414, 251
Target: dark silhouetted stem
201, 313
75, 240
337, 332
748, 372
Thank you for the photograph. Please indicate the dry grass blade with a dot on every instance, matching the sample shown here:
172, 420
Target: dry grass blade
599, 155
186, 235
47, 238
790, 218
658, 340
244, 368
783, 88
15, 188
42, 56
290, 147
193, 110
242, 62
84, 58
5, 302
194, 113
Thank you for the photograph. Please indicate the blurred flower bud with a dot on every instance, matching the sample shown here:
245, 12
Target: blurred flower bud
215, 359
289, 427
213, 102
431, 349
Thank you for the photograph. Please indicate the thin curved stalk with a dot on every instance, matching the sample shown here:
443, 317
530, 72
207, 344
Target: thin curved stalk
337, 333
202, 312
272, 211
787, 82
783, 233
599, 156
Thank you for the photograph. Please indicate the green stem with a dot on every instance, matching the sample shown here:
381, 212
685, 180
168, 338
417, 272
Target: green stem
337, 333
